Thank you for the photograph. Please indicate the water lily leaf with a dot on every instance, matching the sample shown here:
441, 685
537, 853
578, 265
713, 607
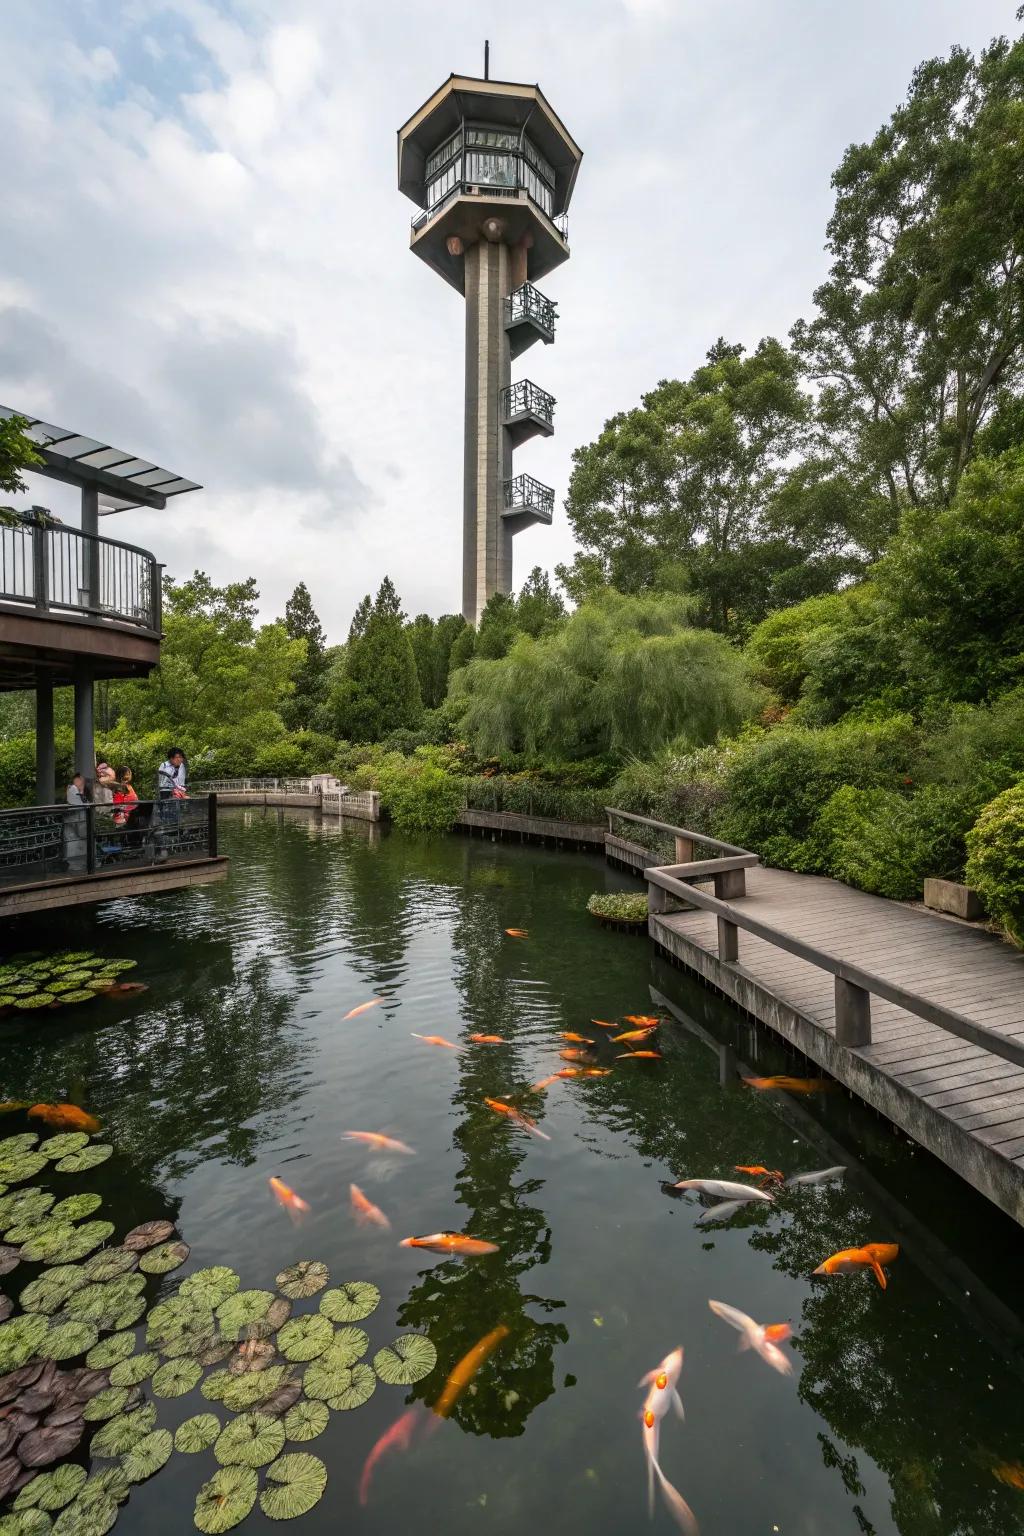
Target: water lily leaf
148, 1234
215, 1351
282, 1398
63, 1244
49, 1443
21, 1166
161, 1260
176, 1378
52, 1490
307, 1420
303, 1338
115, 967
347, 1346
294, 1484
12, 1475
323, 1381
131, 1314
27, 1522
361, 1386
226, 1499
407, 1360
134, 1370
303, 1279
350, 1302
197, 1341
111, 1481
278, 1313
177, 1315
79, 995
120, 1434
88, 1157
148, 1455
216, 1384
108, 1403
27, 1231
118, 1347
209, 1287
75, 1207
111, 1262
22, 1204
52, 1289
10, 1258
253, 1355
92, 1516
6, 1307
67, 1340
250, 1391
251, 1440
101, 1301
23, 1142
242, 1308
20, 1338
197, 1434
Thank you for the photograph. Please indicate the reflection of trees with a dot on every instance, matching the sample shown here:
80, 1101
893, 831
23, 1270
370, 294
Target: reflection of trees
456, 1302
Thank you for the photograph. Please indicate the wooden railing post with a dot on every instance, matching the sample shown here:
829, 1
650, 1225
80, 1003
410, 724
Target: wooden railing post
728, 940
684, 850
853, 1014
730, 883
657, 897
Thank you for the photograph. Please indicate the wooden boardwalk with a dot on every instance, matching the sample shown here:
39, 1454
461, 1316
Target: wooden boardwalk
959, 1100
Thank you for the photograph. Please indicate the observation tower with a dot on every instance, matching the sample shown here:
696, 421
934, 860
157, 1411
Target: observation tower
491, 169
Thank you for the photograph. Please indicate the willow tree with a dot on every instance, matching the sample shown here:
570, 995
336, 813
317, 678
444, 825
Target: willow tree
622, 675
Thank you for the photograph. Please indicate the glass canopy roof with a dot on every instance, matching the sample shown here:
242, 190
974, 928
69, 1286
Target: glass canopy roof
113, 468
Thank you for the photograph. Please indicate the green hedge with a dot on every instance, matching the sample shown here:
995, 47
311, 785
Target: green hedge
995, 862
530, 797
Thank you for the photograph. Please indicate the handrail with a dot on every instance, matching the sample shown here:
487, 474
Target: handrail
50, 566
854, 985
683, 832
42, 841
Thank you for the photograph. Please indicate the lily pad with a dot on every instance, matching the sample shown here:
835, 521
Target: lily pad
178, 1315
304, 1338
251, 1440
49, 1443
93, 1516
278, 1313
79, 995
120, 1434
131, 1314
64, 1144
282, 1398
350, 1302
242, 1308
251, 1390
22, 1204
176, 1378
111, 1481
411, 1357
161, 1260
307, 1420
133, 1371
6, 1308
226, 1499
322, 1381
75, 1207
52, 1490
109, 1403
67, 1340
118, 1347
88, 1157
303, 1279
148, 1455
27, 1522
209, 1287
23, 1142
149, 1234
197, 1434
27, 1231
294, 1484
347, 1346
20, 1338
253, 1355
103, 1301
362, 1384
52, 1289
197, 1341
10, 1258
111, 1262
115, 967
40, 1000
64, 1243
21, 1166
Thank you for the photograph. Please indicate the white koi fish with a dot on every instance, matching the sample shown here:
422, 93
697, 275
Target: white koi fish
720, 1212
822, 1176
662, 1394
764, 1340
723, 1189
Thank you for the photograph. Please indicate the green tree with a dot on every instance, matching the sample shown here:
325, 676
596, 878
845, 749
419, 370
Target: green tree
497, 628
621, 675
919, 328
462, 651
449, 628
360, 619
17, 452
302, 623
385, 691
538, 607
422, 634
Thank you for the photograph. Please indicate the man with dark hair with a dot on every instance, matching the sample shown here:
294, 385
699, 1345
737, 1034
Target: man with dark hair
171, 775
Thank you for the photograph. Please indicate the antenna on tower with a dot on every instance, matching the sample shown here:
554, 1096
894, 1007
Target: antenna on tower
487, 59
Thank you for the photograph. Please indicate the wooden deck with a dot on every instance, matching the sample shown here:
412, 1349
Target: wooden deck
74, 890
960, 1101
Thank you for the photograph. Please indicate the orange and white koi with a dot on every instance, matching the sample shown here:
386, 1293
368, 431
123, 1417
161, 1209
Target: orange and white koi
398, 1437
663, 1393
518, 933
633, 1034
517, 1117
64, 1117
365, 1212
639, 1056
568, 1034
489, 1040
790, 1084
724, 1189
764, 1340
871, 1256
455, 1243
354, 1013
285, 1197
574, 1054
435, 1040
467, 1368
378, 1142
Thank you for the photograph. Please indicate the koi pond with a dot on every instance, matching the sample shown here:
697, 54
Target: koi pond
484, 1390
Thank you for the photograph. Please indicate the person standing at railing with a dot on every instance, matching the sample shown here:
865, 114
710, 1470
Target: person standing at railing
104, 784
172, 775
75, 828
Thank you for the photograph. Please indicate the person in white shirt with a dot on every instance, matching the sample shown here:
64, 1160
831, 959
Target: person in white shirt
171, 775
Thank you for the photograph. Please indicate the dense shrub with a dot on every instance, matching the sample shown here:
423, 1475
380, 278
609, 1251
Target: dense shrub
887, 843
523, 795
418, 793
995, 863
777, 647
686, 789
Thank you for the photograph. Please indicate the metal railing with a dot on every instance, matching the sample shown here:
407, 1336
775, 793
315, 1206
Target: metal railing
523, 491
528, 303
485, 190
854, 986
364, 803
48, 842
526, 398
55, 568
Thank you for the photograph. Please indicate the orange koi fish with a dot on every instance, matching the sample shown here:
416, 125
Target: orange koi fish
64, 1117
546, 1082
872, 1255
285, 1197
518, 933
603, 1024
759, 1171
398, 1437
639, 1056
354, 1013
633, 1034
517, 1116
435, 1040
456, 1243
1011, 1473
643, 1020
489, 1040
790, 1084
763, 1339
467, 1368
572, 1054
378, 1142
584, 1072
365, 1212
568, 1034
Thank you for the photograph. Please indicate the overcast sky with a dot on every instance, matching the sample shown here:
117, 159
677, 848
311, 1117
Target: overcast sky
204, 257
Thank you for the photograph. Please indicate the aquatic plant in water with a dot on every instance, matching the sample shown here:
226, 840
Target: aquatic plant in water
31, 982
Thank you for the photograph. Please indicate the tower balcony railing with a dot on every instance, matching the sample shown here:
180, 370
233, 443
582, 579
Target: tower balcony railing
525, 495
490, 191
53, 569
524, 398
529, 304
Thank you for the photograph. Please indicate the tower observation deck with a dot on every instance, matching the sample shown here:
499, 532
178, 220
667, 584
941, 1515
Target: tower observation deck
491, 169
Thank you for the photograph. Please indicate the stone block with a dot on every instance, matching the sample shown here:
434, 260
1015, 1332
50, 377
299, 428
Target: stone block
947, 896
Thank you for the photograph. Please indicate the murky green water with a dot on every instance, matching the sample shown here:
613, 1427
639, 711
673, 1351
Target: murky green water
235, 1066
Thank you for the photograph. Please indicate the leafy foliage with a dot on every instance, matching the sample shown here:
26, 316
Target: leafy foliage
995, 863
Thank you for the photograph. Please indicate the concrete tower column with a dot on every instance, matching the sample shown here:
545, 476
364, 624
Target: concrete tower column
487, 542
